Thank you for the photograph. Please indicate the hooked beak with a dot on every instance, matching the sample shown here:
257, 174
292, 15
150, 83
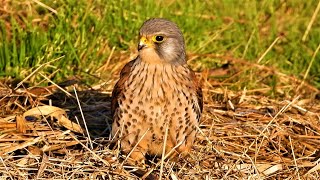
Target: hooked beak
141, 46
143, 43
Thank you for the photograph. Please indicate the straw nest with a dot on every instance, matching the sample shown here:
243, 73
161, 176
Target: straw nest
243, 134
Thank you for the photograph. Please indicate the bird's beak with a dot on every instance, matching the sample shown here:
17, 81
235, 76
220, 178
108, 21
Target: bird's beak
143, 43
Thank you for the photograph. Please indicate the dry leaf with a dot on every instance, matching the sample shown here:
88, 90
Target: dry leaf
55, 112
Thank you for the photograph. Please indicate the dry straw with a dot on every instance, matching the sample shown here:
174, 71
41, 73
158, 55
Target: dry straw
242, 134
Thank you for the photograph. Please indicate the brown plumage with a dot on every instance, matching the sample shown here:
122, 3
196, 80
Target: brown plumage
157, 90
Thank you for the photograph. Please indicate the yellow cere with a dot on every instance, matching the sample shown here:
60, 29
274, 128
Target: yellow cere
143, 40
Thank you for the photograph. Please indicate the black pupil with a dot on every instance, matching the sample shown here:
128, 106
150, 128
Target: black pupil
159, 38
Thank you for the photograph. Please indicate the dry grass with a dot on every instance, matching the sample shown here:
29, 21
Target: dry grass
268, 133
244, 134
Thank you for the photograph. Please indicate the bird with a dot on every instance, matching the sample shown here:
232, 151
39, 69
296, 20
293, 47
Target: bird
157, 101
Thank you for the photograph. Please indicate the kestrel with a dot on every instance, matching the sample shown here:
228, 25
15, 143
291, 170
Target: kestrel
157, 99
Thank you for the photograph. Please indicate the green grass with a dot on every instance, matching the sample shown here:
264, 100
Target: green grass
84, 32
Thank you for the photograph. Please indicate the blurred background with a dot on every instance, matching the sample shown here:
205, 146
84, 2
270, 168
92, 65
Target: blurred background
236, 43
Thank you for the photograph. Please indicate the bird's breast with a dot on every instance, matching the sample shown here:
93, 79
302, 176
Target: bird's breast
159, 82
156, 97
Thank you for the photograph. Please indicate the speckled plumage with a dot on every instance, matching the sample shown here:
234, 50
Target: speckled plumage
157, 90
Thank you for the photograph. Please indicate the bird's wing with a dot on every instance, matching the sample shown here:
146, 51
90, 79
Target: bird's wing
119, 87
198, 94
200, 97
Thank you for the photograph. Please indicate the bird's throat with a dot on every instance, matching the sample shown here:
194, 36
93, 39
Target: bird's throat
150, 55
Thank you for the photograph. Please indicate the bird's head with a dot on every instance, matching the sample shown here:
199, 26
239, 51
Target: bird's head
161, 41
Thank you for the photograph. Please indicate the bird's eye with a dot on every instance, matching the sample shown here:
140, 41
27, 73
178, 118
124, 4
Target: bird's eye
158, 38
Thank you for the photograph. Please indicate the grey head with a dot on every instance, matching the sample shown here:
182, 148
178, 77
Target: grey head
163, 40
